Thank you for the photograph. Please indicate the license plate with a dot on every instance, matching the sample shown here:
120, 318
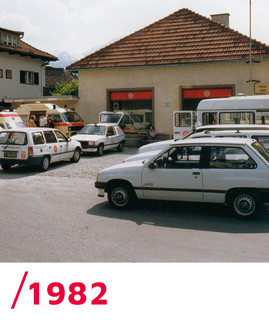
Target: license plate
10, 154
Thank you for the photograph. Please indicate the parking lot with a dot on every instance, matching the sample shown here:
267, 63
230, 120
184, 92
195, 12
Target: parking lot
56, 216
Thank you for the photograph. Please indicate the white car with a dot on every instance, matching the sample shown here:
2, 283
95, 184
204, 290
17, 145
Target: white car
36, 146
98, 137
229, 171
260, 133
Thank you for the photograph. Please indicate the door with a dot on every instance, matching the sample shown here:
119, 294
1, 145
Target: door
183, 123
52, 145
111, 138
66, 149
175, 175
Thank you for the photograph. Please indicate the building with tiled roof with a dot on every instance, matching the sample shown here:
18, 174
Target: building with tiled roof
174, 63
22, 72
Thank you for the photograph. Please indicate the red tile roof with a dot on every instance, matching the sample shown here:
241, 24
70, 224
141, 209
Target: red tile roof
27, 50
181, 38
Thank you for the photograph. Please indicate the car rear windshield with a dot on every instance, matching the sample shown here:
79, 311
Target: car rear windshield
262, 150
13, 138
99, 130
110, 118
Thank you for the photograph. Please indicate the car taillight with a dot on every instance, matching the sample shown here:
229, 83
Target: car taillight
97, 177
30, 151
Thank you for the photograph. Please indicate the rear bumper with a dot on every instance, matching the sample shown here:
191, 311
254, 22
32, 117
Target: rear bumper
29, 161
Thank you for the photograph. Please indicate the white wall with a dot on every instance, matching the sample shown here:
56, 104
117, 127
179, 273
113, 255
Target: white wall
12, 88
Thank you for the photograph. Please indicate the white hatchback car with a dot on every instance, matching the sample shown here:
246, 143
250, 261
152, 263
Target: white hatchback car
98, 137
36, 146
229, 171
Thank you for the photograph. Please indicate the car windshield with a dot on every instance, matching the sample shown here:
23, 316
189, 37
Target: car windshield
14, 138
98, 130
261, 150
110, 118
71, 116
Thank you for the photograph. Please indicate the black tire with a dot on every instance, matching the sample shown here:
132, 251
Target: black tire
76, 156
121, 196
6, 166
120, 146
44, 165
245, 204
100, 150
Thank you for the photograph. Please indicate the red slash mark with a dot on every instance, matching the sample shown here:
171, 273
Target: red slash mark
19, 290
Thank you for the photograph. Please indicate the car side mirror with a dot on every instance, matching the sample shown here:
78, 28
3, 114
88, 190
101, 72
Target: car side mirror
68, 139
151, 165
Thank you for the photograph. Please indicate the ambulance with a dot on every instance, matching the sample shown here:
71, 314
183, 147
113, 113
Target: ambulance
65, 120
9, 119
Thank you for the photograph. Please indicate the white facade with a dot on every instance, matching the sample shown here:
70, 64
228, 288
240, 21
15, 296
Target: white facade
13, 88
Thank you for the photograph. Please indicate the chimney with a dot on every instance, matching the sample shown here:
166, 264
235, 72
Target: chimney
222, 18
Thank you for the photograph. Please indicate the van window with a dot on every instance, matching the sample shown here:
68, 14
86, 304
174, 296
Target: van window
50, 137
38, 138
209, 118
262, 117
72, 116
236, 118
183, 120
56, 118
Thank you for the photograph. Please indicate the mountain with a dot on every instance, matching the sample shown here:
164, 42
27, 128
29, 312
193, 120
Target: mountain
65, 59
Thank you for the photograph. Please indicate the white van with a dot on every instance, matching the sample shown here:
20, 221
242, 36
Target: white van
243, 110
65, 120
127, 121
9, 119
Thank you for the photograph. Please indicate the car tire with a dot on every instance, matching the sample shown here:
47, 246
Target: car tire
100, 150
6, 166
120, 146
76, 156
45, 163
121, 196
245, 204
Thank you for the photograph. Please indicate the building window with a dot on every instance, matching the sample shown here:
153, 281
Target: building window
9, 74
1, 73
29, 77
9, 40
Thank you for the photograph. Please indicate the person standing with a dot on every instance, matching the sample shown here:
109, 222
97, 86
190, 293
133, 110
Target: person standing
42, 120
50, 123
31, 122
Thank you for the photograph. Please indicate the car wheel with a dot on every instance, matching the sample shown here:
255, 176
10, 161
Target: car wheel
76, 156
6, 166
44, 166
245, 205
100, 149
120, 146
121, 196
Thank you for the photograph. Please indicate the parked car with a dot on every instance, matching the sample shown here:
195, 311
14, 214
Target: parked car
260, 133
229, 171
98, 137
36, 146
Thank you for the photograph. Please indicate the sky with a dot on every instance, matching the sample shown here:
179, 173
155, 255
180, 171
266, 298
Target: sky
79, 27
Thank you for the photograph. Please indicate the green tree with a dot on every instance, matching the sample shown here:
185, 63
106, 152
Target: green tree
66, 89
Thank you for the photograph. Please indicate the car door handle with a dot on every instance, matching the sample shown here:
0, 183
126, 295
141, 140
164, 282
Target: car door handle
195, 173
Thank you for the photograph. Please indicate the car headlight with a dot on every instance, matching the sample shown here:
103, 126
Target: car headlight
91, 143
